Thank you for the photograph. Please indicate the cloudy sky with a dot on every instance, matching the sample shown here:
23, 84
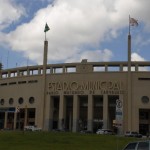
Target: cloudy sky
96, 30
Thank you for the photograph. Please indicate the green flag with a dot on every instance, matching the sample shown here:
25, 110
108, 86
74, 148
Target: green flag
46, 28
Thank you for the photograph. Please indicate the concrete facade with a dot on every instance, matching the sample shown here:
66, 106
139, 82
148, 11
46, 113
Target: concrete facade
76, 96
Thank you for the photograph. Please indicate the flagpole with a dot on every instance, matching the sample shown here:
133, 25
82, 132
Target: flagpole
7, 58
44, 121
46, 29
129, 48
129, 24
132, 22
129, 81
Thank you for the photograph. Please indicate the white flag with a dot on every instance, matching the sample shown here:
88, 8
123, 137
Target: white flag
133, 22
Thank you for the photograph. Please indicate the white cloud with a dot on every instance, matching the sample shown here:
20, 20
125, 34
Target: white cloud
9, 12
137, 57
92, 56
75, 26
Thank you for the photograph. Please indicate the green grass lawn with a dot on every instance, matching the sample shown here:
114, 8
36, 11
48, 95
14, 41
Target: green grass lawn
13, 140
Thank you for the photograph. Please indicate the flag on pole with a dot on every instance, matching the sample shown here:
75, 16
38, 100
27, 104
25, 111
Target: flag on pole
133, 22
46, 28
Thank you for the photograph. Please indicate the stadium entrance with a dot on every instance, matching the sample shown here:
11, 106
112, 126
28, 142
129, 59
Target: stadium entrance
144, 121
82, 112
11, 119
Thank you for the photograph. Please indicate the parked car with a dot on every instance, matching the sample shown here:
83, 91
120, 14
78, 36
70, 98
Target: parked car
138, 145
133, 134
86, 131
32, 128
104, 131
60, 130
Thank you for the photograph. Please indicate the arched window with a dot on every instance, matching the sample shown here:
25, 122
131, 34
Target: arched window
145, 99
31, 100
11, 101
2, 102
20, 100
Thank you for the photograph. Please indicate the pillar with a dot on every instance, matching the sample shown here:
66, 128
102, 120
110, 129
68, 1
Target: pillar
15, 119
75, 113
61, 112
25, 116
70, 121
90, 112
44, 96
105, 111
28, 72
47, 113
120, 128
5, 121
51, 111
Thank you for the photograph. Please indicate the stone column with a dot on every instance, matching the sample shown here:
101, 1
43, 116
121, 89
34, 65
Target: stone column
5, 121
120, 128
26, 115
47, 113
62, 112
105, 111
135, 119
90, 112
70, 121
28, 72
51, 111
15, 119
75, 113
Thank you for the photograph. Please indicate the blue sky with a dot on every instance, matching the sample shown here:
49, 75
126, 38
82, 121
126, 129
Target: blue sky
95, 30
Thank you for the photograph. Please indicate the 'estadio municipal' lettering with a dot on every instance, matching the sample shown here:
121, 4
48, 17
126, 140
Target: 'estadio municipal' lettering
89, 85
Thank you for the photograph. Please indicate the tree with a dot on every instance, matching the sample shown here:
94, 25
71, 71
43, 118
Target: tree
1, 66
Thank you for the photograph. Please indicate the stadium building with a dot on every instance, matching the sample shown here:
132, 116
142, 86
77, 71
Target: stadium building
77, 96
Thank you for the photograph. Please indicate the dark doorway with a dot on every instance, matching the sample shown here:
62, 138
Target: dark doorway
144, 121
56, 111
112, 109
97, 112
69, 112
83, 101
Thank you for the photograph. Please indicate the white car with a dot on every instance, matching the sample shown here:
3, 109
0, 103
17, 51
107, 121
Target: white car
32, 128
104, 131
138, 145
133, 134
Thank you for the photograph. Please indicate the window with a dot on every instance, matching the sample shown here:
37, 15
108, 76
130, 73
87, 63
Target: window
20, 100
71, 69
11, 101
130, 146
31, 100
31, 113
144, 115
143, 146
145, 99
2, 102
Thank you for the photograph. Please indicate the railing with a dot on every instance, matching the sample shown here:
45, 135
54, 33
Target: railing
84, 66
